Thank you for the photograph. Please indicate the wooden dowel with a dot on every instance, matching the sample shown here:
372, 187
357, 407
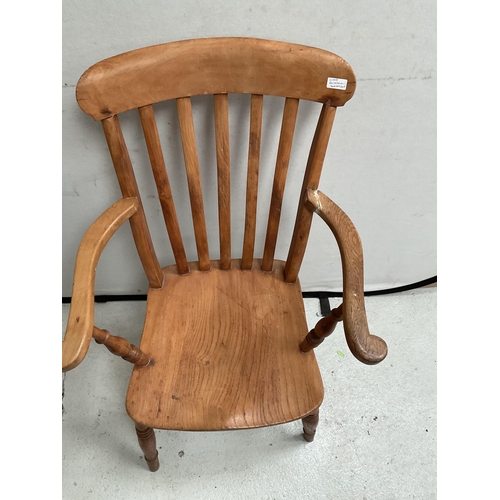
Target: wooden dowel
324, 327
155, 152
185, 113
282, 161
121, 347
223, 177
252, 180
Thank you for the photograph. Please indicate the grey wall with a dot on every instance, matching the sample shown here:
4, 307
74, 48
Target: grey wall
380, 166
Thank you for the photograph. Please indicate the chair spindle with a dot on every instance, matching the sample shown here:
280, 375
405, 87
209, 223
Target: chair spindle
223, 177
128, 186
121, 347
282, 162
252, 180
324, 327
185, 113
155, 152
311, 180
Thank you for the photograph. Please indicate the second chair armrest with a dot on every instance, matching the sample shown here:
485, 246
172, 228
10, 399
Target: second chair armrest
81, 315
367, 348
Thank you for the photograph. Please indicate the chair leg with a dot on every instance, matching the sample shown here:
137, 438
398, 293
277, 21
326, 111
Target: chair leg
310, 423
147, 442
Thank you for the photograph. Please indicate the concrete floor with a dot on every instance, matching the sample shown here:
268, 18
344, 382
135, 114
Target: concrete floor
376, 438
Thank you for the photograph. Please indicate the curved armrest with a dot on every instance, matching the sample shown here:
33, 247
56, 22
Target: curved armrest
81, 315
367, 348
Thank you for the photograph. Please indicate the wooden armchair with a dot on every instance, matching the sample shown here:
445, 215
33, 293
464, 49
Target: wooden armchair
225, 342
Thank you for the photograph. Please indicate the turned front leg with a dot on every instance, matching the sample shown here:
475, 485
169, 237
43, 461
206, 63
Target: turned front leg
323, 328
147, 442
310, 423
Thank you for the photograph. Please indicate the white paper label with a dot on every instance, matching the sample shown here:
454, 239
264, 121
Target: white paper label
336, 83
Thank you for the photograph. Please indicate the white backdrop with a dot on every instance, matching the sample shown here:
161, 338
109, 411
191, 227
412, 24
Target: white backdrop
381, 162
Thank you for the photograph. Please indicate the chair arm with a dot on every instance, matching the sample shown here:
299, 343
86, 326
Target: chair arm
81, 315
367, 348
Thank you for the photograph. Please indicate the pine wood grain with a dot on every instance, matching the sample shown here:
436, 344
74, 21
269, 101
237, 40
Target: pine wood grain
212, 66
226, 356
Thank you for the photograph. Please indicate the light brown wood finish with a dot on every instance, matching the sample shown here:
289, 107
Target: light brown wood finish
223, 177
324, 327
224, 345
81, 314
163, 186
229, 352
252, 181
128, 186
147, 442
367, 348
212, 66
311, 181
121, 347
282, 162
185, 113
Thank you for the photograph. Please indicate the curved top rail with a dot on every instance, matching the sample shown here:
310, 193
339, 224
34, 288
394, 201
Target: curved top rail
213, 66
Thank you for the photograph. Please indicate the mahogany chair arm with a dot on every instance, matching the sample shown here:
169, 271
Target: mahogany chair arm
81, 315
367, 348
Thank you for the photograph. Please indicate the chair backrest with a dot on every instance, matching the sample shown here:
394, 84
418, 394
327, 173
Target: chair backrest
218, 66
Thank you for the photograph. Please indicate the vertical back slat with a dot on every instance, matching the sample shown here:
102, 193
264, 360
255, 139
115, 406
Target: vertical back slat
223, 177
252, 180
311, 180
282, 161
128, 186
155, 152
185, 113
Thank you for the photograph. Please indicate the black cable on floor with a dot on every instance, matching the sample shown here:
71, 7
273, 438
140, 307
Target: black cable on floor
404, 288
324, 301
322, 296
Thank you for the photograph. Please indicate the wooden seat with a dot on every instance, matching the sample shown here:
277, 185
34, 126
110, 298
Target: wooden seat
225, 342
229, 354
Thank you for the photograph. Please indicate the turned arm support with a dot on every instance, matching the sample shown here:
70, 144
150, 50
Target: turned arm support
367, 348
323, 328
121, 347
80, 325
